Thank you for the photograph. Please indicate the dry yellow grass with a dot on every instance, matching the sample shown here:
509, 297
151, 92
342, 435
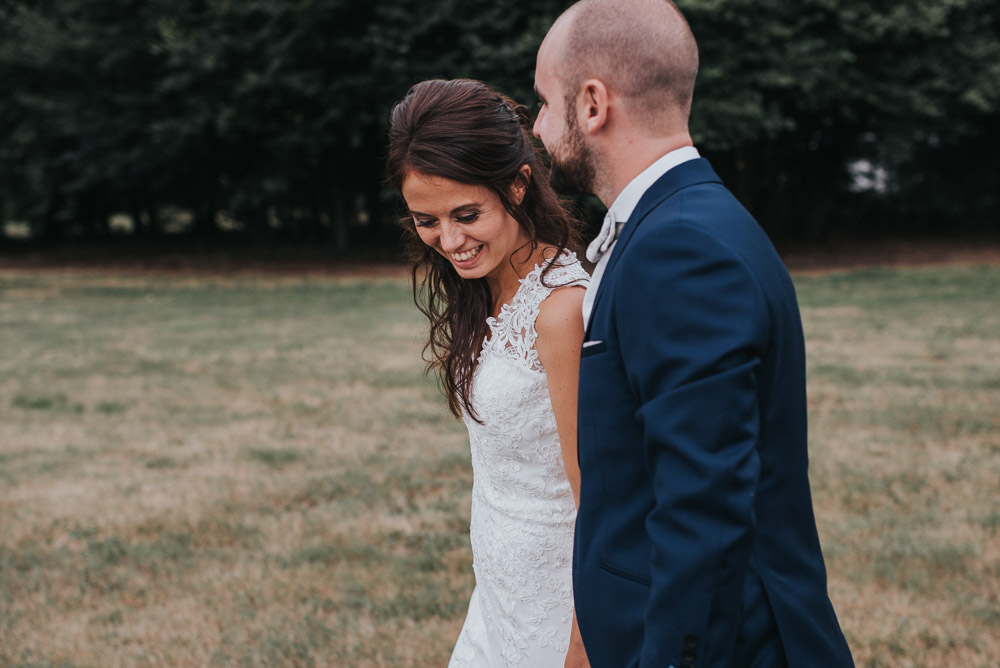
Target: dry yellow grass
240, 471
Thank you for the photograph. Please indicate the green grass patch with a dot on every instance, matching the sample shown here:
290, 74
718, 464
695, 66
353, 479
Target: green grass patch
57, 402
276, 457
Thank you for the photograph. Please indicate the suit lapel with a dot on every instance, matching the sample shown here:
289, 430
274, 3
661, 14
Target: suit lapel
682, 176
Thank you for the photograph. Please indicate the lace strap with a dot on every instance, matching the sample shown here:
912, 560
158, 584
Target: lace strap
537, 287
515, 331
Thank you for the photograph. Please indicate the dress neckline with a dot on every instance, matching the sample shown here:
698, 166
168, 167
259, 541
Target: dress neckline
566, 258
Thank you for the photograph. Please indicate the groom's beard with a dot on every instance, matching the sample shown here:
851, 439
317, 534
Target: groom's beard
573, 174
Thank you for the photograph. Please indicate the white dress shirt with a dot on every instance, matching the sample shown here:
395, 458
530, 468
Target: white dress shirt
600, 248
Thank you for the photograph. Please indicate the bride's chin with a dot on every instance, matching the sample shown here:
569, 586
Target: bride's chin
470, 273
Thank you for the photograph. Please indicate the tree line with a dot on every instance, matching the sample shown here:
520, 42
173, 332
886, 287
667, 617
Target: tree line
267, 118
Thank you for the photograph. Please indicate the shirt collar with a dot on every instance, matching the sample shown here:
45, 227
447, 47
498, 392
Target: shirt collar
623, 206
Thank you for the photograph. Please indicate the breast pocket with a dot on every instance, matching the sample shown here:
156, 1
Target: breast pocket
603, 386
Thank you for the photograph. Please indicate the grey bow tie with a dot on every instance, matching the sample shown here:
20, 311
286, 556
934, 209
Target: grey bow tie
605, 238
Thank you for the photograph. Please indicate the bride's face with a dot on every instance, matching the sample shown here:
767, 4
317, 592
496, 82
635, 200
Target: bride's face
466, 224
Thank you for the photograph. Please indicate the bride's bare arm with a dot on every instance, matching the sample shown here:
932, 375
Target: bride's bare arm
559, 326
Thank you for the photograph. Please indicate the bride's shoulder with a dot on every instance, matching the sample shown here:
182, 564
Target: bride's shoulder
562, 307
559, 322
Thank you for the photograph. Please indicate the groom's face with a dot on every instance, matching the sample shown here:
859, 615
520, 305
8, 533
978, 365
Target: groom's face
556, 124
572, 169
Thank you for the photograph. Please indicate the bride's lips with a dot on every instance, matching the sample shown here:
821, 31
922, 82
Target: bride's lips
466, 258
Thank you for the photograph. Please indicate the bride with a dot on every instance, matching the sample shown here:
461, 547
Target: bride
494, 274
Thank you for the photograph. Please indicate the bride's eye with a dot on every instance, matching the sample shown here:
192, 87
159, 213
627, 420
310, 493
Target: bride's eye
423, 222
470, 217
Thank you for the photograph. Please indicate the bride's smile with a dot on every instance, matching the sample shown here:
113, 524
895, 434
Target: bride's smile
465, 256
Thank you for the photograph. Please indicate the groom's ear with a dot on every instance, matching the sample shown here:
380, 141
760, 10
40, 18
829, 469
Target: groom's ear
593, 105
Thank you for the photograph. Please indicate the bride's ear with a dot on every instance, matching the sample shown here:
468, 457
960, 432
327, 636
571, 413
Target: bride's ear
520, 185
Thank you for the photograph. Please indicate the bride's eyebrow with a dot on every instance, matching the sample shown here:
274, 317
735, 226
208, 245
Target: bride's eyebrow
465, 207
457, 209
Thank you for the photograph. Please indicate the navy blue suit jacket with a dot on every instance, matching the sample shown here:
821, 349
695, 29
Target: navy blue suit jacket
696, 543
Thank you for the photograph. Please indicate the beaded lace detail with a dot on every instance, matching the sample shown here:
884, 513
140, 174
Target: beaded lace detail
522, 505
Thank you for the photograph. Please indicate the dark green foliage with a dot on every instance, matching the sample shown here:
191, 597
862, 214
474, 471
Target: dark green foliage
791, 94
268, 116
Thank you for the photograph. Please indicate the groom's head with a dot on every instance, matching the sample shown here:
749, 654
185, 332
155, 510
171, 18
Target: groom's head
607, 70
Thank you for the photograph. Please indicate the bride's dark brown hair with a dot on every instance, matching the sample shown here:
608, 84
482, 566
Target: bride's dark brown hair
466, 131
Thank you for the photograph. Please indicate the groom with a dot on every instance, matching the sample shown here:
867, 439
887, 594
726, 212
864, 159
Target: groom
696, 543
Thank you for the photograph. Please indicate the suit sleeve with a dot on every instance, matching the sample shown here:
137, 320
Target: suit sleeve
693, 329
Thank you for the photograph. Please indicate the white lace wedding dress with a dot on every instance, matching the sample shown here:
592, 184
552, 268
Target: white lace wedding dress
521, 610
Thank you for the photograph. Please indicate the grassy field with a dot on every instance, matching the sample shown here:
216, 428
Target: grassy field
240, 471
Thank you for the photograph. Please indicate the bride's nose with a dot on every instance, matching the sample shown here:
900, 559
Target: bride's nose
452, 237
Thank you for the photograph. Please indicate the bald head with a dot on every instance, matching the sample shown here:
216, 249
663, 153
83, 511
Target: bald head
642, 50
